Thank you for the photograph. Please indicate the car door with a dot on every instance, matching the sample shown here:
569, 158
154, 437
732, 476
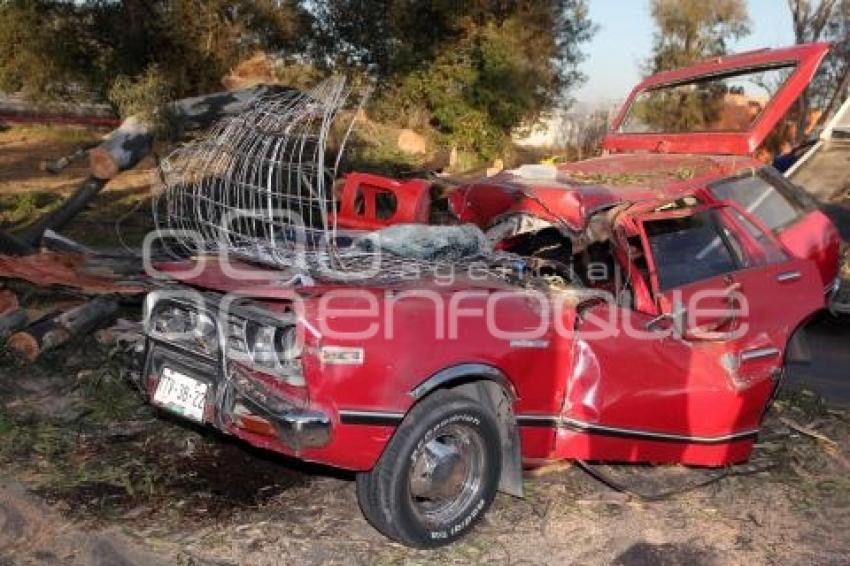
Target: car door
700, 367
789, 213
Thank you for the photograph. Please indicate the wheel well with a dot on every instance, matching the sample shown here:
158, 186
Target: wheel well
496, 398
797, 347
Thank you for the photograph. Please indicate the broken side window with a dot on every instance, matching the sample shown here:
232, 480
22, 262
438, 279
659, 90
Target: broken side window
689, 249
386, 204
359, 202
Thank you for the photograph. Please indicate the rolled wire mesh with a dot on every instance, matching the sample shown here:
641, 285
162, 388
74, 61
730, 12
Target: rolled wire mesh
259, 186
260, 177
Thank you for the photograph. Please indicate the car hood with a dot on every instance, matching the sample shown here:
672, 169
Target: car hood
805, 60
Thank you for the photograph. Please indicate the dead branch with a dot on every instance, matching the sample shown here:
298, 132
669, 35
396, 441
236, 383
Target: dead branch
808, 431
126, 146
56, 166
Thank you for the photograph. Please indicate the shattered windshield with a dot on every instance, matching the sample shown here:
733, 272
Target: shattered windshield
730, 102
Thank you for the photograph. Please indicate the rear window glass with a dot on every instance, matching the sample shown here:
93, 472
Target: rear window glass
761, 199
731, 103
690, 249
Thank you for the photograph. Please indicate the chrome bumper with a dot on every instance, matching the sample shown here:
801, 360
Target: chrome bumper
296, 427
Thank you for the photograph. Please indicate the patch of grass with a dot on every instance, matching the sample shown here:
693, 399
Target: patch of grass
22, 208
375, 152
28, 439
107, 395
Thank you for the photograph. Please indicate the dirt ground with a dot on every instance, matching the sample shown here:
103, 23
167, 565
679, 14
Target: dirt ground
91, 475
120, 213
88, 470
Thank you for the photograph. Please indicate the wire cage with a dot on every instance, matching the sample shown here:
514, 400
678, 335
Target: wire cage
259, 186
258, 183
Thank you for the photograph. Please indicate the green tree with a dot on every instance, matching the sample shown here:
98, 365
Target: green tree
690, 30
824, 20
58, 49
471, 70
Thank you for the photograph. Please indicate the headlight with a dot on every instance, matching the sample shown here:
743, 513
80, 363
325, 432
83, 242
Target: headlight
265, 347
183, 325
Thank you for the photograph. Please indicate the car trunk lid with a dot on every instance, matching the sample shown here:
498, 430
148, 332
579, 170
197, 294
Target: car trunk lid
725, 105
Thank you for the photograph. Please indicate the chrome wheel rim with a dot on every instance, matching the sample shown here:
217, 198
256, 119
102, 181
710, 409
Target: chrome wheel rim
446, 474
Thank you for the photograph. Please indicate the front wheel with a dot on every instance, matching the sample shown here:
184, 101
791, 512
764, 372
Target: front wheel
438, 475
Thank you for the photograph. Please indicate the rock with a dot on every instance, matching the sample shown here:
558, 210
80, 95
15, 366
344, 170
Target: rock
411, 142
258, 69
497, 167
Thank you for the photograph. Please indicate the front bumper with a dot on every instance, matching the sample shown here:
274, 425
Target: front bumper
240, 401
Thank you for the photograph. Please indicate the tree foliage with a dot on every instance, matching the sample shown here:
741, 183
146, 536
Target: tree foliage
825, 20
471, 70
59, 49
690, 30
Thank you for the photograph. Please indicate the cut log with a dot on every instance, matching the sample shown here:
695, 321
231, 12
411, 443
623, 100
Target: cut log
122, 148
12, 317
27, 343
59, 217
133, 140
12, 321
53, 331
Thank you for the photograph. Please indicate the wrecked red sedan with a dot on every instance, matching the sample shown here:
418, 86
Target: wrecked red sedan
631, 308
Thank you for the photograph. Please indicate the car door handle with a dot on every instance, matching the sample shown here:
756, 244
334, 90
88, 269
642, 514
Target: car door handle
788, 276
758, 353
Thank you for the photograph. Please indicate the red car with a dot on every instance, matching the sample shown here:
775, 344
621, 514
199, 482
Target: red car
665, 285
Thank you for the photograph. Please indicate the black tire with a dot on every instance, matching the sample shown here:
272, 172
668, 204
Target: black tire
368, 507
438, 475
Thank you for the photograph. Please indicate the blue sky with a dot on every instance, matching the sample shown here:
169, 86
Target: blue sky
624, 39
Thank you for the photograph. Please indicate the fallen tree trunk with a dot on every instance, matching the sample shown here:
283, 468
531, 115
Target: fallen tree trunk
58, 218
122, 149
53, 331
131, 142
12, 245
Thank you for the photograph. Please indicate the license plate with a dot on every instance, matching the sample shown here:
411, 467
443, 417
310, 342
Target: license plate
182, 394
